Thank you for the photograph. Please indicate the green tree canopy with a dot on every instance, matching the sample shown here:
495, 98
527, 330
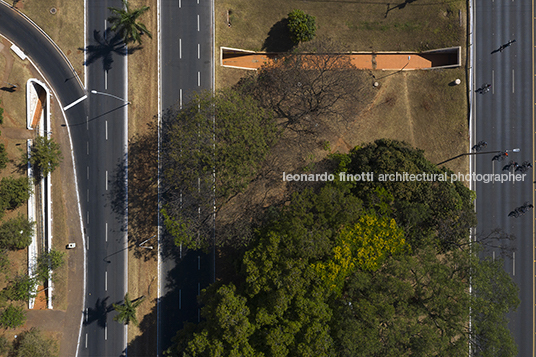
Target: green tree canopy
16, 233
49, 261
426, 210
12, 317
13, 192
302, 26
21, 288
125, 22
332, 273
45, 156
215, 145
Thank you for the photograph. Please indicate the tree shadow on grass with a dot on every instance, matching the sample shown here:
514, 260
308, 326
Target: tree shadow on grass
399, 6
143, 191
278, 39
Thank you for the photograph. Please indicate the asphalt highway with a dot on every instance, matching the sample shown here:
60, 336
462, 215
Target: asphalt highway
102, 172
186, 67
504, 119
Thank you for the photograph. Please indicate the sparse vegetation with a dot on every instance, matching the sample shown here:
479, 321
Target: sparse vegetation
49, 261
33, 343
3, 156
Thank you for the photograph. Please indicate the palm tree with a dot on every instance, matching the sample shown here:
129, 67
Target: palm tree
125, 22
127, 311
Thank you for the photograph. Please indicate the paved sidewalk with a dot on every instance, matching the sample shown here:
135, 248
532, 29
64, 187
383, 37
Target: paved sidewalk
385, 61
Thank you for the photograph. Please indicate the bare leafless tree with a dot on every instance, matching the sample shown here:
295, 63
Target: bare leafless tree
304, 89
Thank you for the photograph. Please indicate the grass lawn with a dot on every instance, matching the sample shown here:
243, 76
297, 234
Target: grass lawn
416, 106
65, 27
143, 204
371, 25
420, 107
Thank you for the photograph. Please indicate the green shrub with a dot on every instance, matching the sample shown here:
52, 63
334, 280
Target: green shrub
302, 27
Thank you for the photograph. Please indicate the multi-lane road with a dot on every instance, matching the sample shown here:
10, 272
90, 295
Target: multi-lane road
187, 66
101, 157
504, 118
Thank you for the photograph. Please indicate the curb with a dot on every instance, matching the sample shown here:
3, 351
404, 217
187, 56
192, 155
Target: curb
47, 37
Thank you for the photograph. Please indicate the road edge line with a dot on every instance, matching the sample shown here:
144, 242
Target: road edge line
48, 38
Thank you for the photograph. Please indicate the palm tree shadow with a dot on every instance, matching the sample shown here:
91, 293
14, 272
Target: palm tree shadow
105, 47
99, 313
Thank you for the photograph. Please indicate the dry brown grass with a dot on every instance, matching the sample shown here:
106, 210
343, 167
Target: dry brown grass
142, 270
68, 284
66, 27
419, 107
363, 25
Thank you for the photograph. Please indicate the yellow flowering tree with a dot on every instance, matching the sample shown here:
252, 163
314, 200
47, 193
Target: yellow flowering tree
364, 245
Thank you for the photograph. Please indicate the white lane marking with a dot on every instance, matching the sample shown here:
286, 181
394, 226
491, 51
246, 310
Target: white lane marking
105, 281
86, 340
514, 263
198, 23
198, 262
180, 299
198, 78
106, 128
106, 79
105, 331
87, 217
87, 149
104, 28
87, 172
180, 4
180, 48
87, 244
198, 51
88, 195
75, 102
106, 232
87, 313
513, 79
198, 1
492, 81
493, 255
180, 98
106, 180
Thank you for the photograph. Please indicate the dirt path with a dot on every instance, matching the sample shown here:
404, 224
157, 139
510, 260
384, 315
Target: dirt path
407, 101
